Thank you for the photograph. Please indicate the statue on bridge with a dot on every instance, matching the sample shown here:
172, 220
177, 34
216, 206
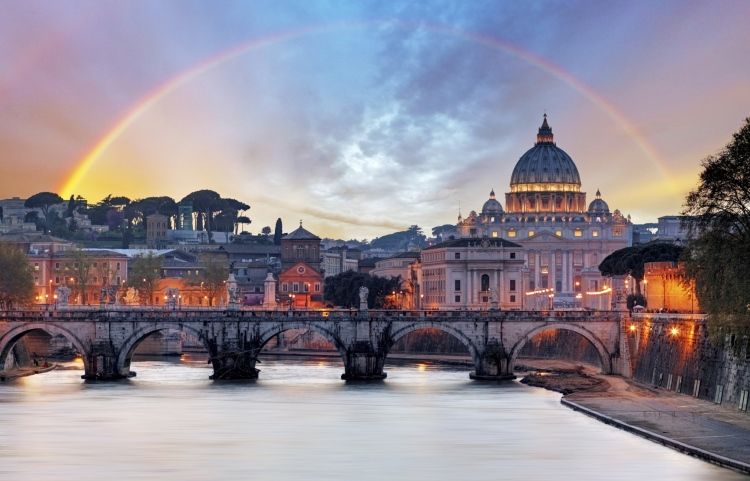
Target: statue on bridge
131, 297
62, 296
233, 293
364, 293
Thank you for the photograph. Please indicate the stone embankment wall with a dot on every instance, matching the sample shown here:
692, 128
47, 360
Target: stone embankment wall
675, 353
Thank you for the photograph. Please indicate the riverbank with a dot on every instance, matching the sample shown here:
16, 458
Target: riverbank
12, 374
708, 431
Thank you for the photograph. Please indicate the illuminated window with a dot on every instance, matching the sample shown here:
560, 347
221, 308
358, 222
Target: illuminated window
617, 232
595, 233
512, 233
494, 233
577, 233
558, 233
531, 233
492, 219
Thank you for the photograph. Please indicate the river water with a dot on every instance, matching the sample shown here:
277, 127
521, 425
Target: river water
300, 422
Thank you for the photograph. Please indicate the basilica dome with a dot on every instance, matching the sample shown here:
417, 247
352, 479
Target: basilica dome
492, 206
598, 206
545, 167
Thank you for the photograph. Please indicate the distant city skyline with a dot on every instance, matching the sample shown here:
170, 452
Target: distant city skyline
365, 117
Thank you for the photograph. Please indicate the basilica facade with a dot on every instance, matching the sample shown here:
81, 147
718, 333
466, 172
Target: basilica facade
563, 238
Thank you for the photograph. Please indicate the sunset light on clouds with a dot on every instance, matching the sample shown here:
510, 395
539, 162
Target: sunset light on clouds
365, 117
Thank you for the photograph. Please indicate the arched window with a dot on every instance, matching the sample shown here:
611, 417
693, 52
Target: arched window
485, 283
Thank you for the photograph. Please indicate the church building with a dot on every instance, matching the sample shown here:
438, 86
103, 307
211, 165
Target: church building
563, 238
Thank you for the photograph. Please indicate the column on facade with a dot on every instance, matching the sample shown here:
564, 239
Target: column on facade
477, 286
469, 287
552, 276
493, 284
564, 266
501, 287
537, 269
570, 271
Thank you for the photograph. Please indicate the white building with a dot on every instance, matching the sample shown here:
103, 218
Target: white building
564, 240
472, 274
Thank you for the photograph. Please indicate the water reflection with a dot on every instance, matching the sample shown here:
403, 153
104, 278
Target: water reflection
299, 421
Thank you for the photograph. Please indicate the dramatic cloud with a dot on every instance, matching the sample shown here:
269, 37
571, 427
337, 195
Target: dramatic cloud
390, 115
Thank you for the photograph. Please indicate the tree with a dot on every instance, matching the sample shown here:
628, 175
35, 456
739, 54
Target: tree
630, 260
277, 233
144, 275
205, 203
266, 231
213, 276
718, 219
16, 278
343, 289
43, 201
244, 220
442, 230
80, 278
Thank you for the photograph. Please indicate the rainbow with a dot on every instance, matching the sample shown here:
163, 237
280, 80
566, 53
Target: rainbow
84, 165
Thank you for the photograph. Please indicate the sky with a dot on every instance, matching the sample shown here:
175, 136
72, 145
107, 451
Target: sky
365, 117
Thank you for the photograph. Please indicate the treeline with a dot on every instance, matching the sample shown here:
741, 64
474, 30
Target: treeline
211, 212
717, 257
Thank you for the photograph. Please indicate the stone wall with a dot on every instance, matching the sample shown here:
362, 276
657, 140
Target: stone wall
675, 353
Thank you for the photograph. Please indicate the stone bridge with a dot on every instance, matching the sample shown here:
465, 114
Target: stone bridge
107, 338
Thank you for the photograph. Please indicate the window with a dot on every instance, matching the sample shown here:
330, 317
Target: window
457, 255
558, 233
485, 282
118, 266
458, 298
494, 233
512, 284
512, 298
457, 285
531, 233
57, 280
578, 233
284, 287
295, 287
617, 232
36, 266
306, 287
595, 233
317, 287
512, 233
118, 280
57, 265
512, 255
492, 219
94, 265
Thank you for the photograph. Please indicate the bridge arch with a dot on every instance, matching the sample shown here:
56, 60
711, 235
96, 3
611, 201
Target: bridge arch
125, 354
330, 335
403, 330
604, 354
10, 338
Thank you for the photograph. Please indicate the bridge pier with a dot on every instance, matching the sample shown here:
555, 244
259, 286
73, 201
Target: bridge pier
493, 364
363, 363
102, 363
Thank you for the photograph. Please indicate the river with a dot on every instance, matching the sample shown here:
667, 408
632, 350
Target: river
300, 422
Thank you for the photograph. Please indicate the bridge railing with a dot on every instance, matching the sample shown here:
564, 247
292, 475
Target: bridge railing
77, 312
